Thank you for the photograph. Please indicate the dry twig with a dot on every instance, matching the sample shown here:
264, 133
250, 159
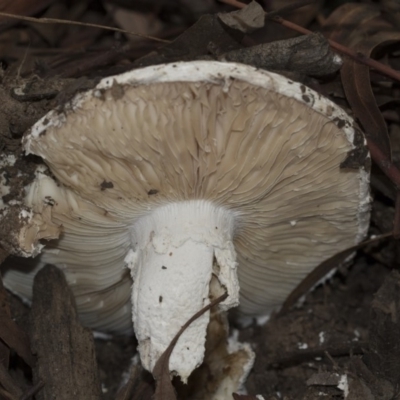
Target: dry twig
77, 23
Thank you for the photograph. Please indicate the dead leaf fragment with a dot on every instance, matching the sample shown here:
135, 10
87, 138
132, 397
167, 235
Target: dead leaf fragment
161, 373
145, 23
246, 20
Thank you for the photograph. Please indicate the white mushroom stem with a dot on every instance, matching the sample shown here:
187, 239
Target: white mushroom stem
172, 265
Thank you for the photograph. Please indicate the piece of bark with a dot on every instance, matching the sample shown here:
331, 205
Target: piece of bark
65, 351
307, 54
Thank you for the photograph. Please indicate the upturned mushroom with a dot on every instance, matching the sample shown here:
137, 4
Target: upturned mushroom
186, 171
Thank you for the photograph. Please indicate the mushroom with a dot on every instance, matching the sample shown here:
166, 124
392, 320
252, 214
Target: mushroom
189, 171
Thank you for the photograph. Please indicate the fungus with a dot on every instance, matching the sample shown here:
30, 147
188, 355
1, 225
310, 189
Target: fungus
194, 170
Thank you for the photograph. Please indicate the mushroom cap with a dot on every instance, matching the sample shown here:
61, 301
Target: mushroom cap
251, 141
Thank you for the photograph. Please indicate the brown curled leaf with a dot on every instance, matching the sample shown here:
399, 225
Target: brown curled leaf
349, 23
358, 90
161, 373
359, 94
362, 27
323, 270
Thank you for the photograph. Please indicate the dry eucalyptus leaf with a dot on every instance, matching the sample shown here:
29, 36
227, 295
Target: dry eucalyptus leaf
161, 372
323, 270
362, 28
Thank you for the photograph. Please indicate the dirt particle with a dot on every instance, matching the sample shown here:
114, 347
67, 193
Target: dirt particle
152, 192
340, 123
117, 91
106, 185
99, 94
329, 111
358, 157
48, 200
